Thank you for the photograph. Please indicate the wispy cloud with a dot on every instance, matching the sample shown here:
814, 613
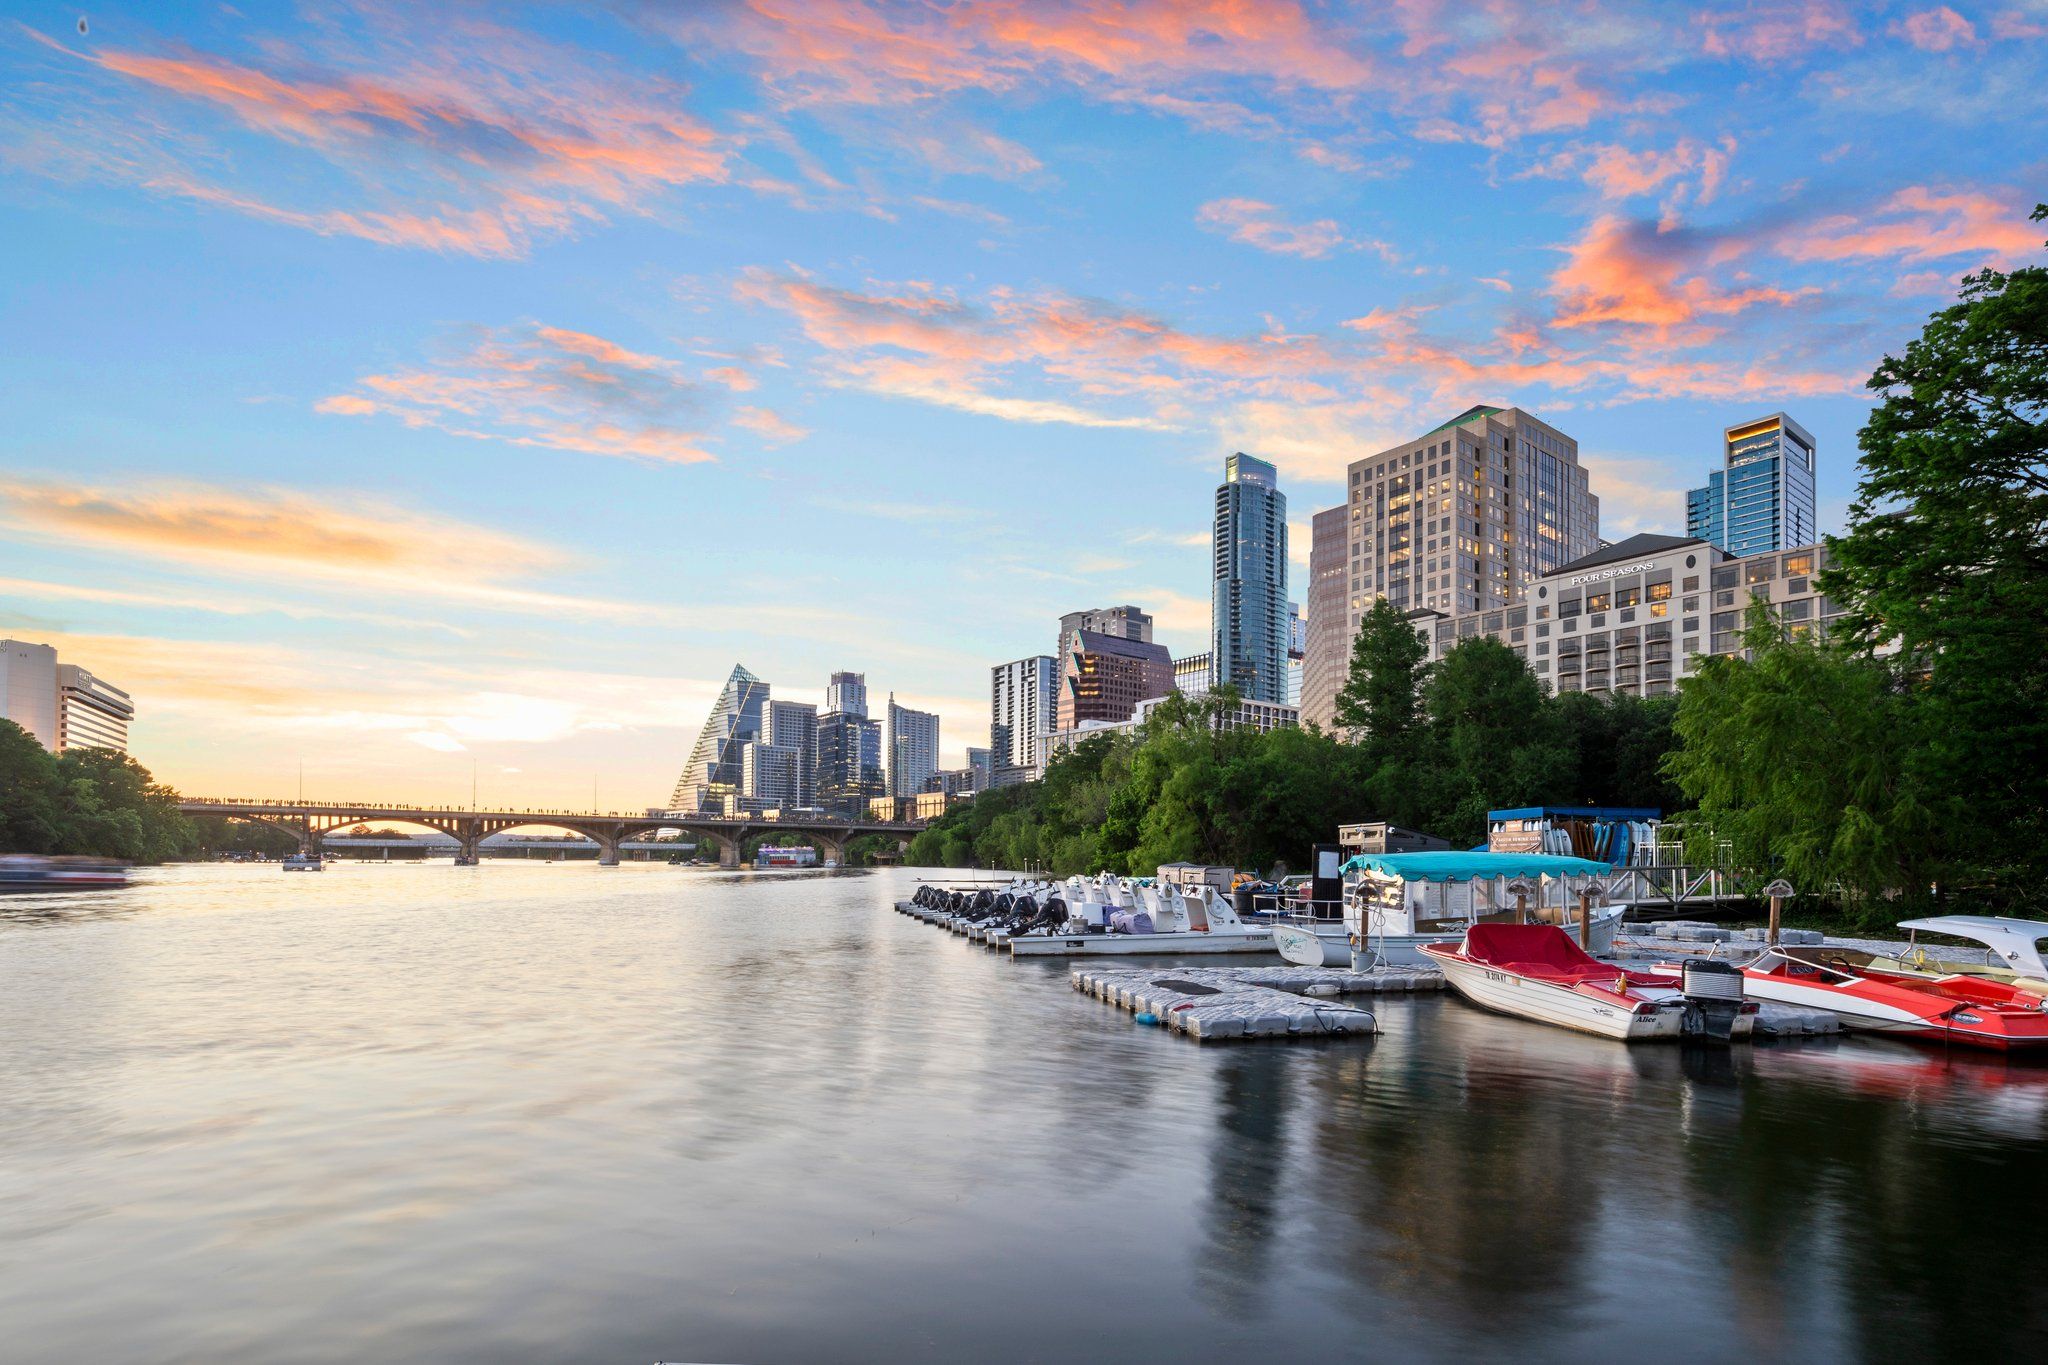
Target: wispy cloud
1259, 225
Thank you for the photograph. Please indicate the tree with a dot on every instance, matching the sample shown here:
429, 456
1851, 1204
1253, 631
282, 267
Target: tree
32, 817
1379, 702
1497, 740
1947, 554
1802, 756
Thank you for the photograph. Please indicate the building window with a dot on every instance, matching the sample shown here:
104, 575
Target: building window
1659, 592
1800, 564
1597, 601
1760, 571
1660, 608
1692, 582
1801, 610
1727, 577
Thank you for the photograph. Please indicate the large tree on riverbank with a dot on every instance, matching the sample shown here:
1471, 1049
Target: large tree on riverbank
89, 801
1947, 556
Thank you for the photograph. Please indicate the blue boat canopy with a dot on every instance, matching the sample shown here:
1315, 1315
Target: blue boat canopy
1466, 867
1580, 812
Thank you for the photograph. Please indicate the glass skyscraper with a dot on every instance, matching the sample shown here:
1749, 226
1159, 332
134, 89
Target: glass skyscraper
1762, 498
717, 764
913, 747
1248, 602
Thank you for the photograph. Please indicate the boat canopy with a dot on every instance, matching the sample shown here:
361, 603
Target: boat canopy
2018, 941
1467, 867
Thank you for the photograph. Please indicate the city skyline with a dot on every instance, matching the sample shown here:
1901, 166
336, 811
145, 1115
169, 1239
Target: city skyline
423, 396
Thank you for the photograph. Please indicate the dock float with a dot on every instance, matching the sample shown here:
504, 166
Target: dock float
1249, 1002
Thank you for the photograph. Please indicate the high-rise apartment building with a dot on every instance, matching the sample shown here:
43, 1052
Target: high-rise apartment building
1297, 652
1762, 498
1462, 518
28, 690
1193, 674
1248, 597
769, 778
793, 725
716, 770
92, 713
981, 763
847, 694
1021, 708
912, 744
850, 771
1104, 677
1326, 649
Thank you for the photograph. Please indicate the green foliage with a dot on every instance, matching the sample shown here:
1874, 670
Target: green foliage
86, 801
1802, 757
1948, 555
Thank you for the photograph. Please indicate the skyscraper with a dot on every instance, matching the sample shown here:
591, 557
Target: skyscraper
1326, 648
1125, 623
794, 725
1297, 650
1462, 518
92, 713
1104, 677
847, 694
28, 689
717, 769
849, 763
982, 764
1021, 708
1762, 497
912, 744
1248, 598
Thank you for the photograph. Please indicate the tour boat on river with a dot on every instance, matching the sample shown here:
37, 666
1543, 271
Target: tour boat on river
1539, 972
1394, 903
1974, 1011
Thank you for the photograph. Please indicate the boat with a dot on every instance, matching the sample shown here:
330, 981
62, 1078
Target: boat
301, 862
1539, 972
1973, 1011
1133, 919
33, 872
1395, 903
2012, 950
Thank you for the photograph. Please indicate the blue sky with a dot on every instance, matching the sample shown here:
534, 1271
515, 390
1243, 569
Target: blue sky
408, 390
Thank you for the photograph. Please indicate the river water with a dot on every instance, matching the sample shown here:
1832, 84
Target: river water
556, 1112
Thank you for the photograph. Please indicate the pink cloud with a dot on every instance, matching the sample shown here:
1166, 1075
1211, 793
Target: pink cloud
1625, 271
1778, 31
1939, 29
1259, 224
1920, 224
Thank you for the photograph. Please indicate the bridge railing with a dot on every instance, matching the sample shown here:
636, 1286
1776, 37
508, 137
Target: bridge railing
386, 810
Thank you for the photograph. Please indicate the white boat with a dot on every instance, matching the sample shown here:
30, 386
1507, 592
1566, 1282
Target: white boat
1540, 973
1154, 921
1395, 904
301, 862
2012, 950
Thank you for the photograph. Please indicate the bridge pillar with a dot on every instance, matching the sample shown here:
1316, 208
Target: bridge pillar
830, 850
607, 847
469, 833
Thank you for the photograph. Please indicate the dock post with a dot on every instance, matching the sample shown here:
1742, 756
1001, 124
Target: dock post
1777, 891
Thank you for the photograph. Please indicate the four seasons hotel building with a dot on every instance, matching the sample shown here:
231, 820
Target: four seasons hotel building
1460, 519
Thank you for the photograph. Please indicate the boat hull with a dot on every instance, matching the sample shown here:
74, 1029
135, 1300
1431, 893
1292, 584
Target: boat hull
1405, 950
1140, 945
1865, 1015
1305, 946
1546, 1003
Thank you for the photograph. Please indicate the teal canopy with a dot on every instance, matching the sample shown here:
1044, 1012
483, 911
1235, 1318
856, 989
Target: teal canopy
1466, 867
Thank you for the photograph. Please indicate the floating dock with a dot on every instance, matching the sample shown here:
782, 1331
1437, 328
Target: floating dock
1249, 1002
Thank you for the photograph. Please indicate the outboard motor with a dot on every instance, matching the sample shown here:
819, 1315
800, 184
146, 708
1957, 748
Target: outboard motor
1713, 999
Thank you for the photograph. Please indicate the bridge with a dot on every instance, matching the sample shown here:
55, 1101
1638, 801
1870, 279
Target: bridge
311, 821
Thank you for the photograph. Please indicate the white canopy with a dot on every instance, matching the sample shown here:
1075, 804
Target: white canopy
2018, 941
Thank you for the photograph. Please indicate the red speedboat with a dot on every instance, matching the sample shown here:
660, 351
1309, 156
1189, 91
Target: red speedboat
1537, 972
1971, 1010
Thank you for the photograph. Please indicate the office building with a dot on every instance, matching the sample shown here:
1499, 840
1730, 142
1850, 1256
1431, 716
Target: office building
1762, 497
1248, 597
92, 713
847, 694
793, 725
1297, 652
1021, 708
1326, 647
1191, 675
28, 690
981, 763
768, 779
912, 744
715, 772
955, 782
1637, 616
1462, 518
1125, 623
1104, 677
850, 769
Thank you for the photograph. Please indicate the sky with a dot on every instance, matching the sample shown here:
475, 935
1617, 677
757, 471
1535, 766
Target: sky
427, 395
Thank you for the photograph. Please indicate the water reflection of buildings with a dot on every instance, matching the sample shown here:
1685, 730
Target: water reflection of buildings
1247, 1178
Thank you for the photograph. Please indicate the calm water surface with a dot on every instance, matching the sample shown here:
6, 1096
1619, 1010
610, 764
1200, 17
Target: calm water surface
562, 1113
